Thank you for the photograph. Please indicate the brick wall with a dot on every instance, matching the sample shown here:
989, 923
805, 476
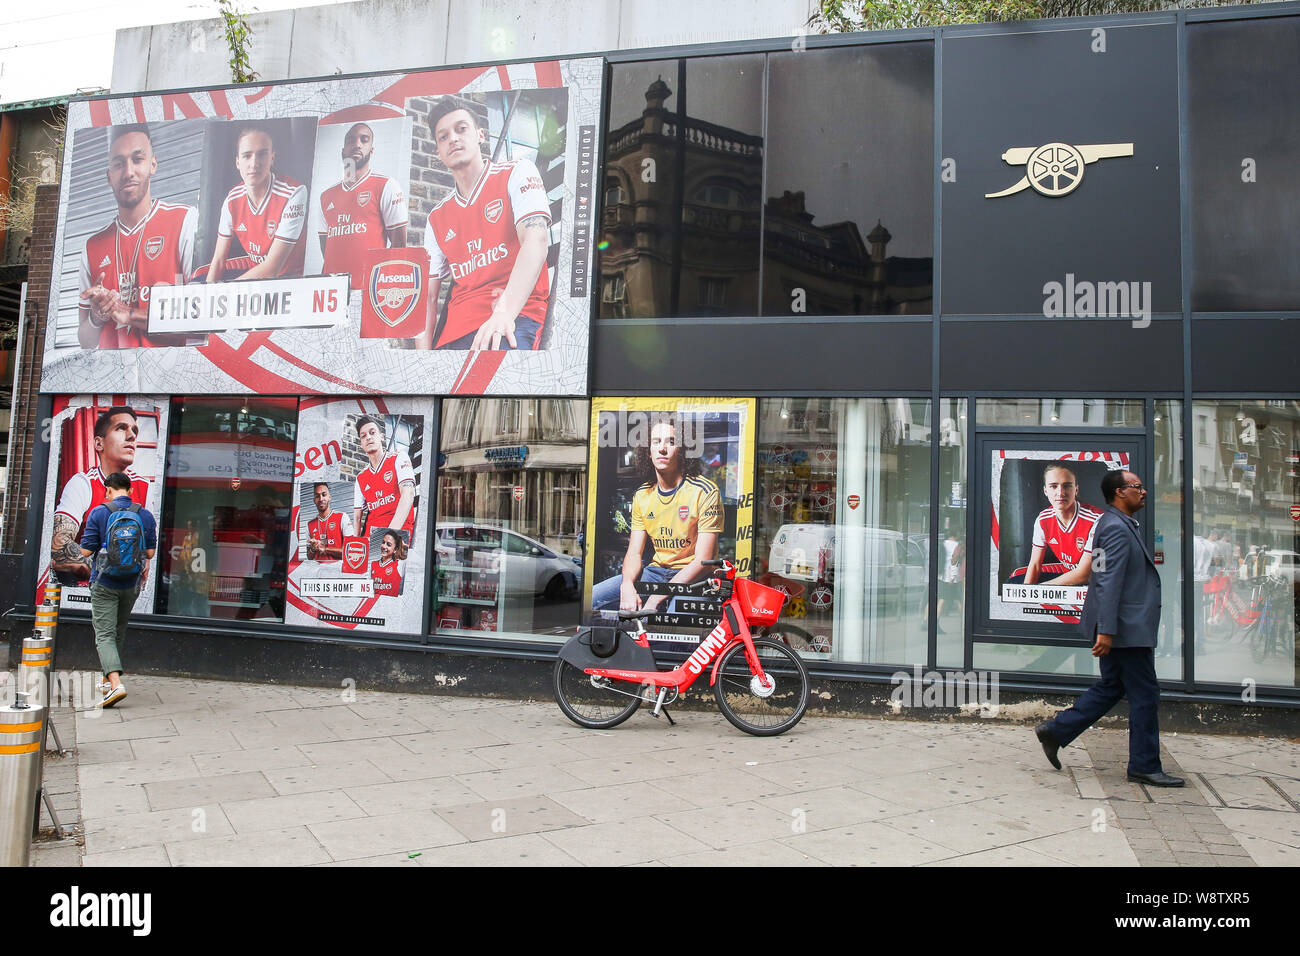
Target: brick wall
30, 437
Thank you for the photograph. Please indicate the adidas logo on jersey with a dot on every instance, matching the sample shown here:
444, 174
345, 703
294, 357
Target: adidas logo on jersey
329, 207
242, 228
106, 262
451, 234
649, 515
1052, 541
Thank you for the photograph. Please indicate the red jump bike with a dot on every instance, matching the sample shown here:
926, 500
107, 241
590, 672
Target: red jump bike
760, 684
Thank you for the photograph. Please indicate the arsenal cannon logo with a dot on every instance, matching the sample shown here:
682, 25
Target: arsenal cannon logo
1057, 168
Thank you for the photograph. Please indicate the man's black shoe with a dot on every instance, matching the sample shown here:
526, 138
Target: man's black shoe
1050, 746
1157, 779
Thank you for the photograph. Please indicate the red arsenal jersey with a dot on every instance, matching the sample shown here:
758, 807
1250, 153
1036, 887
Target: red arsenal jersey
159, 250
280, 216
379, 488
355, 220
1071, 542
475, 241
388, 583
85, 490
331, 529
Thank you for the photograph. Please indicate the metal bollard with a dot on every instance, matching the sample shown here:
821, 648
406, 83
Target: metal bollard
47, 614
34, 673
20, 753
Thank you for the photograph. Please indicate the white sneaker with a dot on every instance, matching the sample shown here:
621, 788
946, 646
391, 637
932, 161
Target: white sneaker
113, 695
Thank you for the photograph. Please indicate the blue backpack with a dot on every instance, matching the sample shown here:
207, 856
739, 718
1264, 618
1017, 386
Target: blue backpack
124, 541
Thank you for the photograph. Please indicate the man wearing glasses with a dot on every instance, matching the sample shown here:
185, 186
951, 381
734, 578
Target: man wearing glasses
1121, 615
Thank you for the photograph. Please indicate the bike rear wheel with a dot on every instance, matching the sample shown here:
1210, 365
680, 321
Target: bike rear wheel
763, 711
591, 705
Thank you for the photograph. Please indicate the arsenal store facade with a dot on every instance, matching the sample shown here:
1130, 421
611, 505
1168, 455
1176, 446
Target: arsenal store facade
420, 370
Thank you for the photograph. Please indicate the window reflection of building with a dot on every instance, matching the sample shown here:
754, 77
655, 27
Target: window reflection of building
517, 463
703, 261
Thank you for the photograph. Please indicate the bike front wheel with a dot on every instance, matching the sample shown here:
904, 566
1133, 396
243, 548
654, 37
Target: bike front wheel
758, 709
598, 705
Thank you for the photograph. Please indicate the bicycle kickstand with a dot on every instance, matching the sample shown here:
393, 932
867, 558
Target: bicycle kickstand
660, 708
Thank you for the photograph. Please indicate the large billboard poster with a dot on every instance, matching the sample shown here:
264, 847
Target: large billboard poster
670, 485
408, 234
1046, 505
361, 490
91, 437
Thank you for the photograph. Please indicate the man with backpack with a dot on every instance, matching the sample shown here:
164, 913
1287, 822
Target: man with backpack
127, 535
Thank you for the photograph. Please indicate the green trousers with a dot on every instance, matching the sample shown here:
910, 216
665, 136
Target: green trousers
109, 609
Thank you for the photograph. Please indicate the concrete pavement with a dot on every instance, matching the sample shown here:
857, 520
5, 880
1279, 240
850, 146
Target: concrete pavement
199, 773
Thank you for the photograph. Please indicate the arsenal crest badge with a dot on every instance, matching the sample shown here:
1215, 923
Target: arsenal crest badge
492, 211
393, 301
153, 247
356, 555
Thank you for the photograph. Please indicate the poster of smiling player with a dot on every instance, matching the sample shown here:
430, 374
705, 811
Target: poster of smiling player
669, 488
218, 236
92, 436
1045, 506
357, 555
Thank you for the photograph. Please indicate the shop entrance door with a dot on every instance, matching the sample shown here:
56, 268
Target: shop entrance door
1040, 497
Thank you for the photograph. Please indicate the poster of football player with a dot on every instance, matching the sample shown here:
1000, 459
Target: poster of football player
669, 489
256, 180
360, 487
358, 200
227, 230
91, 437
1045, 507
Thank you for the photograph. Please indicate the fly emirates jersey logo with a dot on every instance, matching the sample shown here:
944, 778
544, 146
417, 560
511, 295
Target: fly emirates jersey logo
460, 271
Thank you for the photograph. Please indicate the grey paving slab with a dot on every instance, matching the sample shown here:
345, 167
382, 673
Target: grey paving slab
136, 771
408, 766
111, 799
528, 849
616, 769
867, 844
107, 751
620, 843
158, 827
167, 794
720, 787
831, 807
1014, 855
424, 794
345, 751
1087, 847
735, 824
519, 782
258, 758
1281, 828
282, 812
295, 846
324, 777
160, 748
764, 854
495, 819
507, 756
94, 730
368, 836
441, 741
926, 789
153, 855
966, 828
620, 802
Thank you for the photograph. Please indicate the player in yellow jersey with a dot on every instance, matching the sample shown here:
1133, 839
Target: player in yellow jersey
679, 512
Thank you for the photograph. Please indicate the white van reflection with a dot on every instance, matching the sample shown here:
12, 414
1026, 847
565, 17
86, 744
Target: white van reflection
893, 562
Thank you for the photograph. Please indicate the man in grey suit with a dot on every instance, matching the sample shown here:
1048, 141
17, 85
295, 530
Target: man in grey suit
1121, 614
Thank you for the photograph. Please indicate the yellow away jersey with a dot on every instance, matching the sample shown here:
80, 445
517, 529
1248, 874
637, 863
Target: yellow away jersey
674, 520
